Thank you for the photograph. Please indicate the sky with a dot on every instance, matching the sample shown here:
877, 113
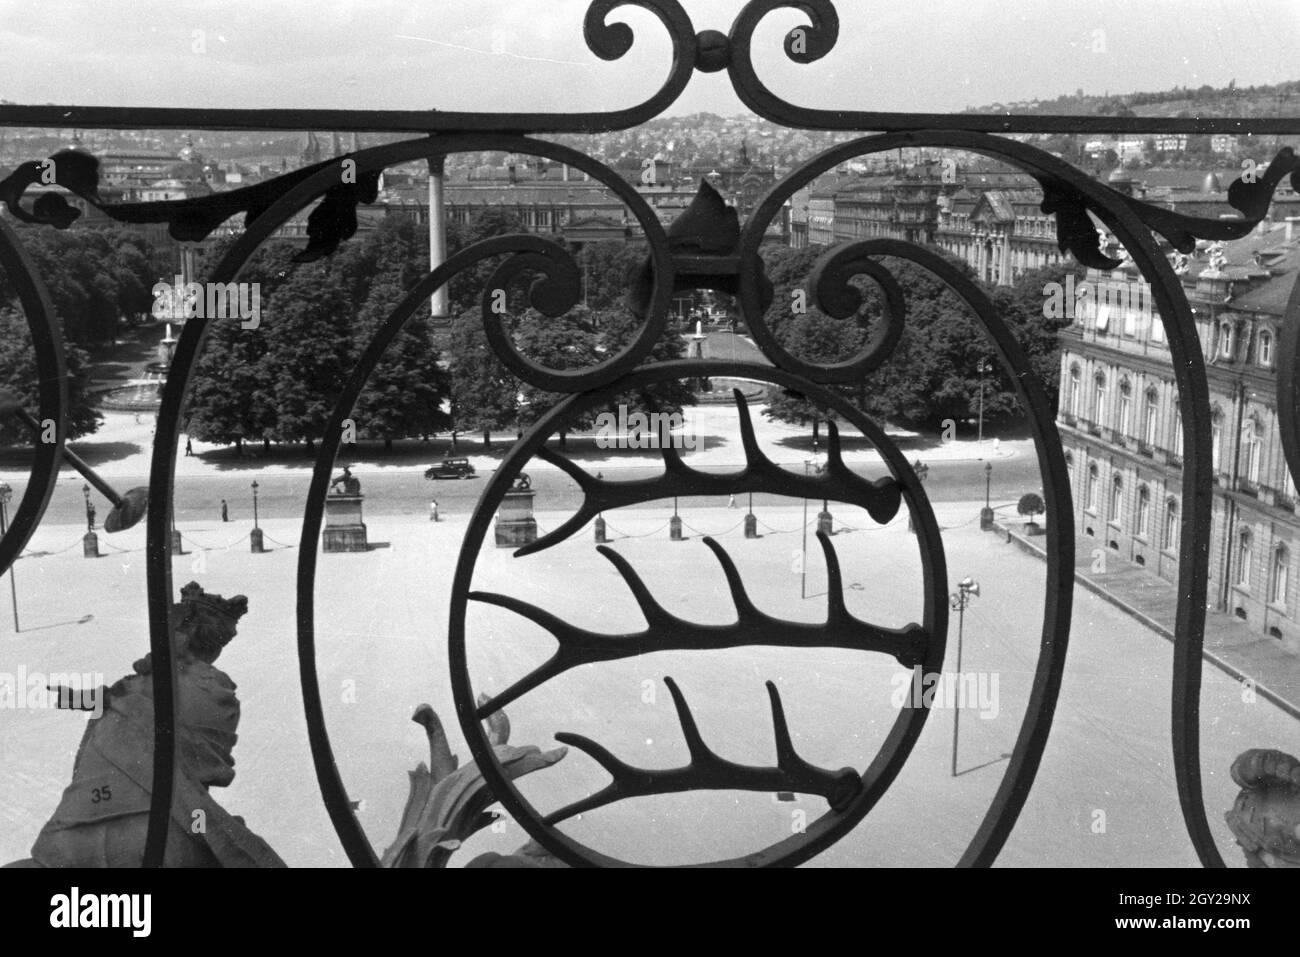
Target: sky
486, 55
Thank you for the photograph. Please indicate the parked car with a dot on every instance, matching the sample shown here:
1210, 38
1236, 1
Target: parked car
450, 469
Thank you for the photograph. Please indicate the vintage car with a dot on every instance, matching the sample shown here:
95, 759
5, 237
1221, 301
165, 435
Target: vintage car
450, 469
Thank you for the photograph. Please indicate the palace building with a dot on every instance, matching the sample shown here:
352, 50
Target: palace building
1122, 432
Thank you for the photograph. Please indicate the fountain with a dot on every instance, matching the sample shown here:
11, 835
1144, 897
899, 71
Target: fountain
144, 394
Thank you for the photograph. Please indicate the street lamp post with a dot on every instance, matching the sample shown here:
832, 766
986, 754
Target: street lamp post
6, 493
89, 541
966, 588
986, 513
255, 536
983, 370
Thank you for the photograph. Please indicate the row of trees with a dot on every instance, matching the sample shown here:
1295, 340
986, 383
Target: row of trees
278, 382
95, 278
934, 372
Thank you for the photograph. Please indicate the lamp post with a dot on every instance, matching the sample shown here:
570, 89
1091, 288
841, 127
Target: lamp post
255, 536
803, 564
89, 541
966, 589
983, 370
986, 513
6, 493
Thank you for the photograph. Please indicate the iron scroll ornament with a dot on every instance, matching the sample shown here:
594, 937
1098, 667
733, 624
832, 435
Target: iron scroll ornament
1126, 221
170, 417
1073, 192
848, 804
51, 368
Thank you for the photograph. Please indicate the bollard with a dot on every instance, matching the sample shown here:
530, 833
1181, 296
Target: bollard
90, 545
600, 531
675, 528
751, 526
255, 541
824, 524
176, 547
986, 519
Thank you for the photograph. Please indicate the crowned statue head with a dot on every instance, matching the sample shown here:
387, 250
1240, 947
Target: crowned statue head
204, 623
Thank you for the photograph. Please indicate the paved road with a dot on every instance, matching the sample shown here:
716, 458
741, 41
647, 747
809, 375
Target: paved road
402, 493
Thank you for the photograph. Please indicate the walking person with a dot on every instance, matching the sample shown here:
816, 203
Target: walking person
225, 512
731, 501
189, 446
433, 510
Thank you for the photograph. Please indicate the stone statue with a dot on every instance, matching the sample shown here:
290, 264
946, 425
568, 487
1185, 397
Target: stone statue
102, 819
522, 483
350, 485
1265, 818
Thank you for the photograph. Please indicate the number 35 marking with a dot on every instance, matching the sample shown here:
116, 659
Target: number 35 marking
101, 794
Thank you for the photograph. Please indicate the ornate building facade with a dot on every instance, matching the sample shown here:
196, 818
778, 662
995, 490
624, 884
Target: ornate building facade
1123, 435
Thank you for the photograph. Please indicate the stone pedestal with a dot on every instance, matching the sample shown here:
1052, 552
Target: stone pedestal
344, 529
175, 542
675, 528
824, 523
751, 526
515, 525
601, 539
986, 519
255, 541
90, 545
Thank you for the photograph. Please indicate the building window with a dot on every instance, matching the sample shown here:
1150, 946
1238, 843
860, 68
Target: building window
1171, 525
1250, 449
1243, 559
1216, 438
1125, 407
1074, 390
1281, 571
1092, 487
1116, 499
1144, 511
1265, 348
1149, 421
1178, 431
1099, 397
1225, 340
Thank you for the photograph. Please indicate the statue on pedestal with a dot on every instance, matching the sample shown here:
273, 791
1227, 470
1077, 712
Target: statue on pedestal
345, 484
102, 819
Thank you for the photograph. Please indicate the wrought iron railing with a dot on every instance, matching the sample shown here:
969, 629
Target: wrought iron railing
734, 265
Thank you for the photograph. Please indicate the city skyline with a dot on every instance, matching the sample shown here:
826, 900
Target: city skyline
348, 53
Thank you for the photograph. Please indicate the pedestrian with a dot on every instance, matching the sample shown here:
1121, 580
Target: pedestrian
433, 510
189, 446
225, 512
731, 501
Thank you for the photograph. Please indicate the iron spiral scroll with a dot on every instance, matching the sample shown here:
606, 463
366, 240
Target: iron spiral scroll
1068, 194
